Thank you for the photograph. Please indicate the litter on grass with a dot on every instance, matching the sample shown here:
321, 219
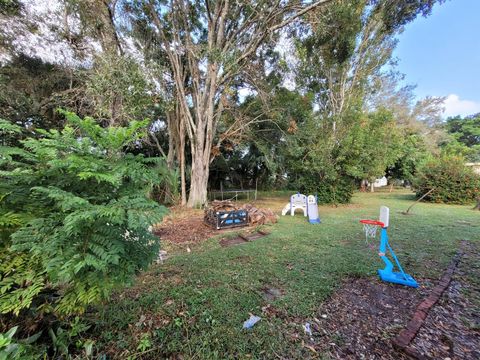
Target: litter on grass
251, 321
307, 329
162, 256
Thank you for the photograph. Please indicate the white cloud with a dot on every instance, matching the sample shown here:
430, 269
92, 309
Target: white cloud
455, 106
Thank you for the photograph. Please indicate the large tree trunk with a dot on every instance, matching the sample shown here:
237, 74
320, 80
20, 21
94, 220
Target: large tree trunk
206, 114
98, 17
201, 145
176, 147
199, 181
99, 14
372, 187
172, 139
181, 154
183, 185
363, 185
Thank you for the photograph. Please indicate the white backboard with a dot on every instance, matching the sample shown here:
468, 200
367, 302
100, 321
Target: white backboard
384, 215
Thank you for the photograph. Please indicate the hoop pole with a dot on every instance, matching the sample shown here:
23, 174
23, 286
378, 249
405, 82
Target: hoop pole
383, 253
396, 261
383, 241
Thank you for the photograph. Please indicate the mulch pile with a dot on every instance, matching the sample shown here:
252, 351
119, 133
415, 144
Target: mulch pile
257, 216
189, 229
185, 226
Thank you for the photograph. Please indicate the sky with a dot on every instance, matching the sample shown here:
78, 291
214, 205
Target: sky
441, 55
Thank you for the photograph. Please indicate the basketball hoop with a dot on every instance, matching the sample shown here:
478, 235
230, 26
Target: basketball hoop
385, 250
370, 228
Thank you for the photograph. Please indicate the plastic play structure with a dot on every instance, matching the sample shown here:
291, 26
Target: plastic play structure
312, 210
387, 274
297, 201
307, 204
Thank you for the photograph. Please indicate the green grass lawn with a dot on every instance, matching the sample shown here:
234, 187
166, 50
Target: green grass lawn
194, 305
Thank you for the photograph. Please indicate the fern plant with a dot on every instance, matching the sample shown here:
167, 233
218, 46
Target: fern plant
86, 206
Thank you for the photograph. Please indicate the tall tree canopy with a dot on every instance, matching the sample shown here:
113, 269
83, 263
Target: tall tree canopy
188, 64
464, 136
209, 46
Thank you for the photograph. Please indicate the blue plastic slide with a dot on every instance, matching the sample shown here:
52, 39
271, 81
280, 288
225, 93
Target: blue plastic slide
312, 210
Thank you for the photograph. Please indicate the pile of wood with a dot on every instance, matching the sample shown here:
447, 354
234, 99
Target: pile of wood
225, 205
257, 216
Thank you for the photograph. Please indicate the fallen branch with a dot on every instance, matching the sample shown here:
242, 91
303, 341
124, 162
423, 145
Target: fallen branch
417, 201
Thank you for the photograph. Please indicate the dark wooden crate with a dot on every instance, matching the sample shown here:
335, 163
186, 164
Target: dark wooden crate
226, 219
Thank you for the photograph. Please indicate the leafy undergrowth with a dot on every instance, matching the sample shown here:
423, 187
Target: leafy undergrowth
194, 305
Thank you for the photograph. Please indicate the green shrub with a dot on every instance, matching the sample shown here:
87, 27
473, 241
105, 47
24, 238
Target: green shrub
453, 182
76, 212
11, 348
338, 191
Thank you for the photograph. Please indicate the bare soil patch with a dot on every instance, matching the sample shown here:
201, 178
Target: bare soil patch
243, 238
270, 293
232, 241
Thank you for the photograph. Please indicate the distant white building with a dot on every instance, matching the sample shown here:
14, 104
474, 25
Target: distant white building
380, 182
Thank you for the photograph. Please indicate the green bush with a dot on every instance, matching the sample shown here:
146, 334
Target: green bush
452, 181
328, 191
12, 349
76, 211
